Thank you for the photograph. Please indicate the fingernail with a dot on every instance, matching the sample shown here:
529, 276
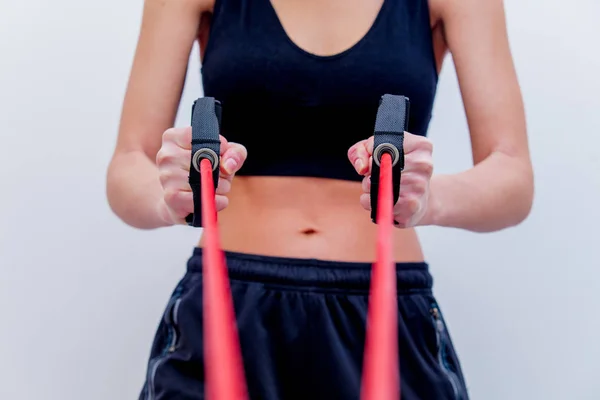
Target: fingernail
358, 164
230, 165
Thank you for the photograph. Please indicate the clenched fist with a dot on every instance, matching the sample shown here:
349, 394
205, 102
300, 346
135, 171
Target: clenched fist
414, 182
173, 161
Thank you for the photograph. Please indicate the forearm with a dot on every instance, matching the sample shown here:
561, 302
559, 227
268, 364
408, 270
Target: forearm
134, 190
495, 194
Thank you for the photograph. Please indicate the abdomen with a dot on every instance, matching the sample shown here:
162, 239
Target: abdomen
305, 218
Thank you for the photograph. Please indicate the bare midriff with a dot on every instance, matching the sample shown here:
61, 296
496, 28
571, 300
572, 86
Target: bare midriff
302, 217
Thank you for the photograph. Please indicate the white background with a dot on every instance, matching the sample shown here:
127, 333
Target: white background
81, 293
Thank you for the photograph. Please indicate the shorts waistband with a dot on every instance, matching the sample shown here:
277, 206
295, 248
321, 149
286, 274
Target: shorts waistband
308, 272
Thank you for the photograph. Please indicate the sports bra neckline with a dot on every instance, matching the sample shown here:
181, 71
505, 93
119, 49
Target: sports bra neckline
371, 30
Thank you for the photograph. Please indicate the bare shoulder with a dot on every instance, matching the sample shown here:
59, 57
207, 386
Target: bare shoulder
464, 21
444, 12
167, 33
475, 32
448, 8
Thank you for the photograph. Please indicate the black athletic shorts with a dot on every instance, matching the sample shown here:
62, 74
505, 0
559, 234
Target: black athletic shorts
301, 324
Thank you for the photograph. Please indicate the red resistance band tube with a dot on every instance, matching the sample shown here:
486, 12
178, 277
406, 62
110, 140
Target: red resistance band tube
224, 367
381, 371
222, 354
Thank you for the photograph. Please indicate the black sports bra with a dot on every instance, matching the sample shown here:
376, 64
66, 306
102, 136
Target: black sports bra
299, 113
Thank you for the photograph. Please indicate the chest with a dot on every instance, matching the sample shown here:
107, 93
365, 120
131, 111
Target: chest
328, 27
317, 54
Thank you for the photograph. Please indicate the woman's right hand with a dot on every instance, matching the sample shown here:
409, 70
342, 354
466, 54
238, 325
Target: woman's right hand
173, 161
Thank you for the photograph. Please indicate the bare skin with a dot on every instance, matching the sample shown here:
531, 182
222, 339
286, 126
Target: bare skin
320, 218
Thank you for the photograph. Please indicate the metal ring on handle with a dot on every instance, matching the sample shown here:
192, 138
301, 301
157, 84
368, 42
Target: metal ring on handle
386, 148
205, 153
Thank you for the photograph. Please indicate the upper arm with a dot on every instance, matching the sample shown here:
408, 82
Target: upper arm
168, 31
476, 35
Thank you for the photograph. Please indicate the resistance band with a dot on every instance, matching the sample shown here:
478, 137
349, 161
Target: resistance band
222, 354
225, 378
224, 368
381, 369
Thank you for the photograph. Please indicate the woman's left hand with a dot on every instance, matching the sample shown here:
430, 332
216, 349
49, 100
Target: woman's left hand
413, 202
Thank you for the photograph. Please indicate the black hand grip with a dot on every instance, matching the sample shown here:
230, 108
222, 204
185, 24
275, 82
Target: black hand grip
390, 124
206, 143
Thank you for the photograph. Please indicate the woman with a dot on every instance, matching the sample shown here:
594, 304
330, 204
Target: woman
300, 82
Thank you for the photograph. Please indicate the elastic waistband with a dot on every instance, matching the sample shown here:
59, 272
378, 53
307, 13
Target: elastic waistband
308, 272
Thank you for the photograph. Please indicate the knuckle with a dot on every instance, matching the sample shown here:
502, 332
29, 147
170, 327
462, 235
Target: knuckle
165, 155
426, 144
369, 144
162, 157
170, 155
420, 188
167, 175
171, 197
424, 166
170, 134
164, 178
353, 151
427, 167
413, 205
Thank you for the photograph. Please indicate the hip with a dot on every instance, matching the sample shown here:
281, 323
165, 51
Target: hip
302, 326
305, 218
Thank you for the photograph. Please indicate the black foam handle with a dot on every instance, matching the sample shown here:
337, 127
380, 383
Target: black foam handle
390, 124
206, 143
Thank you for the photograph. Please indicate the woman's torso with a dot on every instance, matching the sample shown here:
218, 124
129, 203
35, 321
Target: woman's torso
297, 73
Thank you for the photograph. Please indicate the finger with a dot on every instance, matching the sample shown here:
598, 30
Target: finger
221, 202
365, 201
182, 203
406, 208
419, 162
413, 143
409, 182
233, 158
173, 155
369, 166
224, 145
175, 179
182, 137
366, 184
359, 156
408, 179
224, 186
369, 145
